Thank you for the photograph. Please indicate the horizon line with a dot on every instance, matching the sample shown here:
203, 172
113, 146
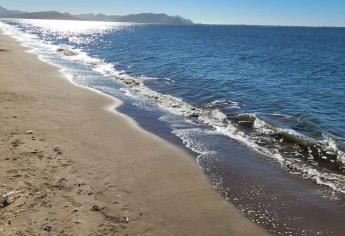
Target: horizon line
194, 23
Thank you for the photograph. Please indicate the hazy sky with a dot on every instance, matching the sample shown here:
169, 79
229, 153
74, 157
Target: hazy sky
271, 12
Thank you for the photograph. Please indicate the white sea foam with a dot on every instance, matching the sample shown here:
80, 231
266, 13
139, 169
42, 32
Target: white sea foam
188, 136
225, 102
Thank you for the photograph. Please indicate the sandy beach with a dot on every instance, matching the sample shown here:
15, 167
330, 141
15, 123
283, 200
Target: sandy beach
84, 170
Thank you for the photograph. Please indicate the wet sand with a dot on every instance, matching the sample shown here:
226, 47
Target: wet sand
281, 202
84, 170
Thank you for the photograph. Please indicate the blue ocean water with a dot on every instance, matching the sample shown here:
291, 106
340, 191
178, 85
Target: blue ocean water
276, 90
291, 77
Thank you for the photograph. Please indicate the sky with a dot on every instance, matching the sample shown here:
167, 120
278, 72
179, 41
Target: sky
253, 12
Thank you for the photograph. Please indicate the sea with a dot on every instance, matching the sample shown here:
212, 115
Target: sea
261, 108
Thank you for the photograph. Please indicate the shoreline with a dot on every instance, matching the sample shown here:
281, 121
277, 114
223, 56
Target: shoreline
123, 166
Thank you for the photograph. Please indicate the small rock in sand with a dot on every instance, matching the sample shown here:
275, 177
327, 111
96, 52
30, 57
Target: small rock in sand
57, 150
96, 208
34, 151
47, 228
16, 143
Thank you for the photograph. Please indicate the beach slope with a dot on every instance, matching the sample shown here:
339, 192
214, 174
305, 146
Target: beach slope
84, 170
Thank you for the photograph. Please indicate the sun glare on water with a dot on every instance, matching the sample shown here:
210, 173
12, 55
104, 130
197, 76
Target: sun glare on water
77, 27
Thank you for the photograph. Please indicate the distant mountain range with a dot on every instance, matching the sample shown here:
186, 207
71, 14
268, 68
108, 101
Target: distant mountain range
137, 18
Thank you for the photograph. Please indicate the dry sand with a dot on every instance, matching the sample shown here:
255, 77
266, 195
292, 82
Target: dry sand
87, 171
